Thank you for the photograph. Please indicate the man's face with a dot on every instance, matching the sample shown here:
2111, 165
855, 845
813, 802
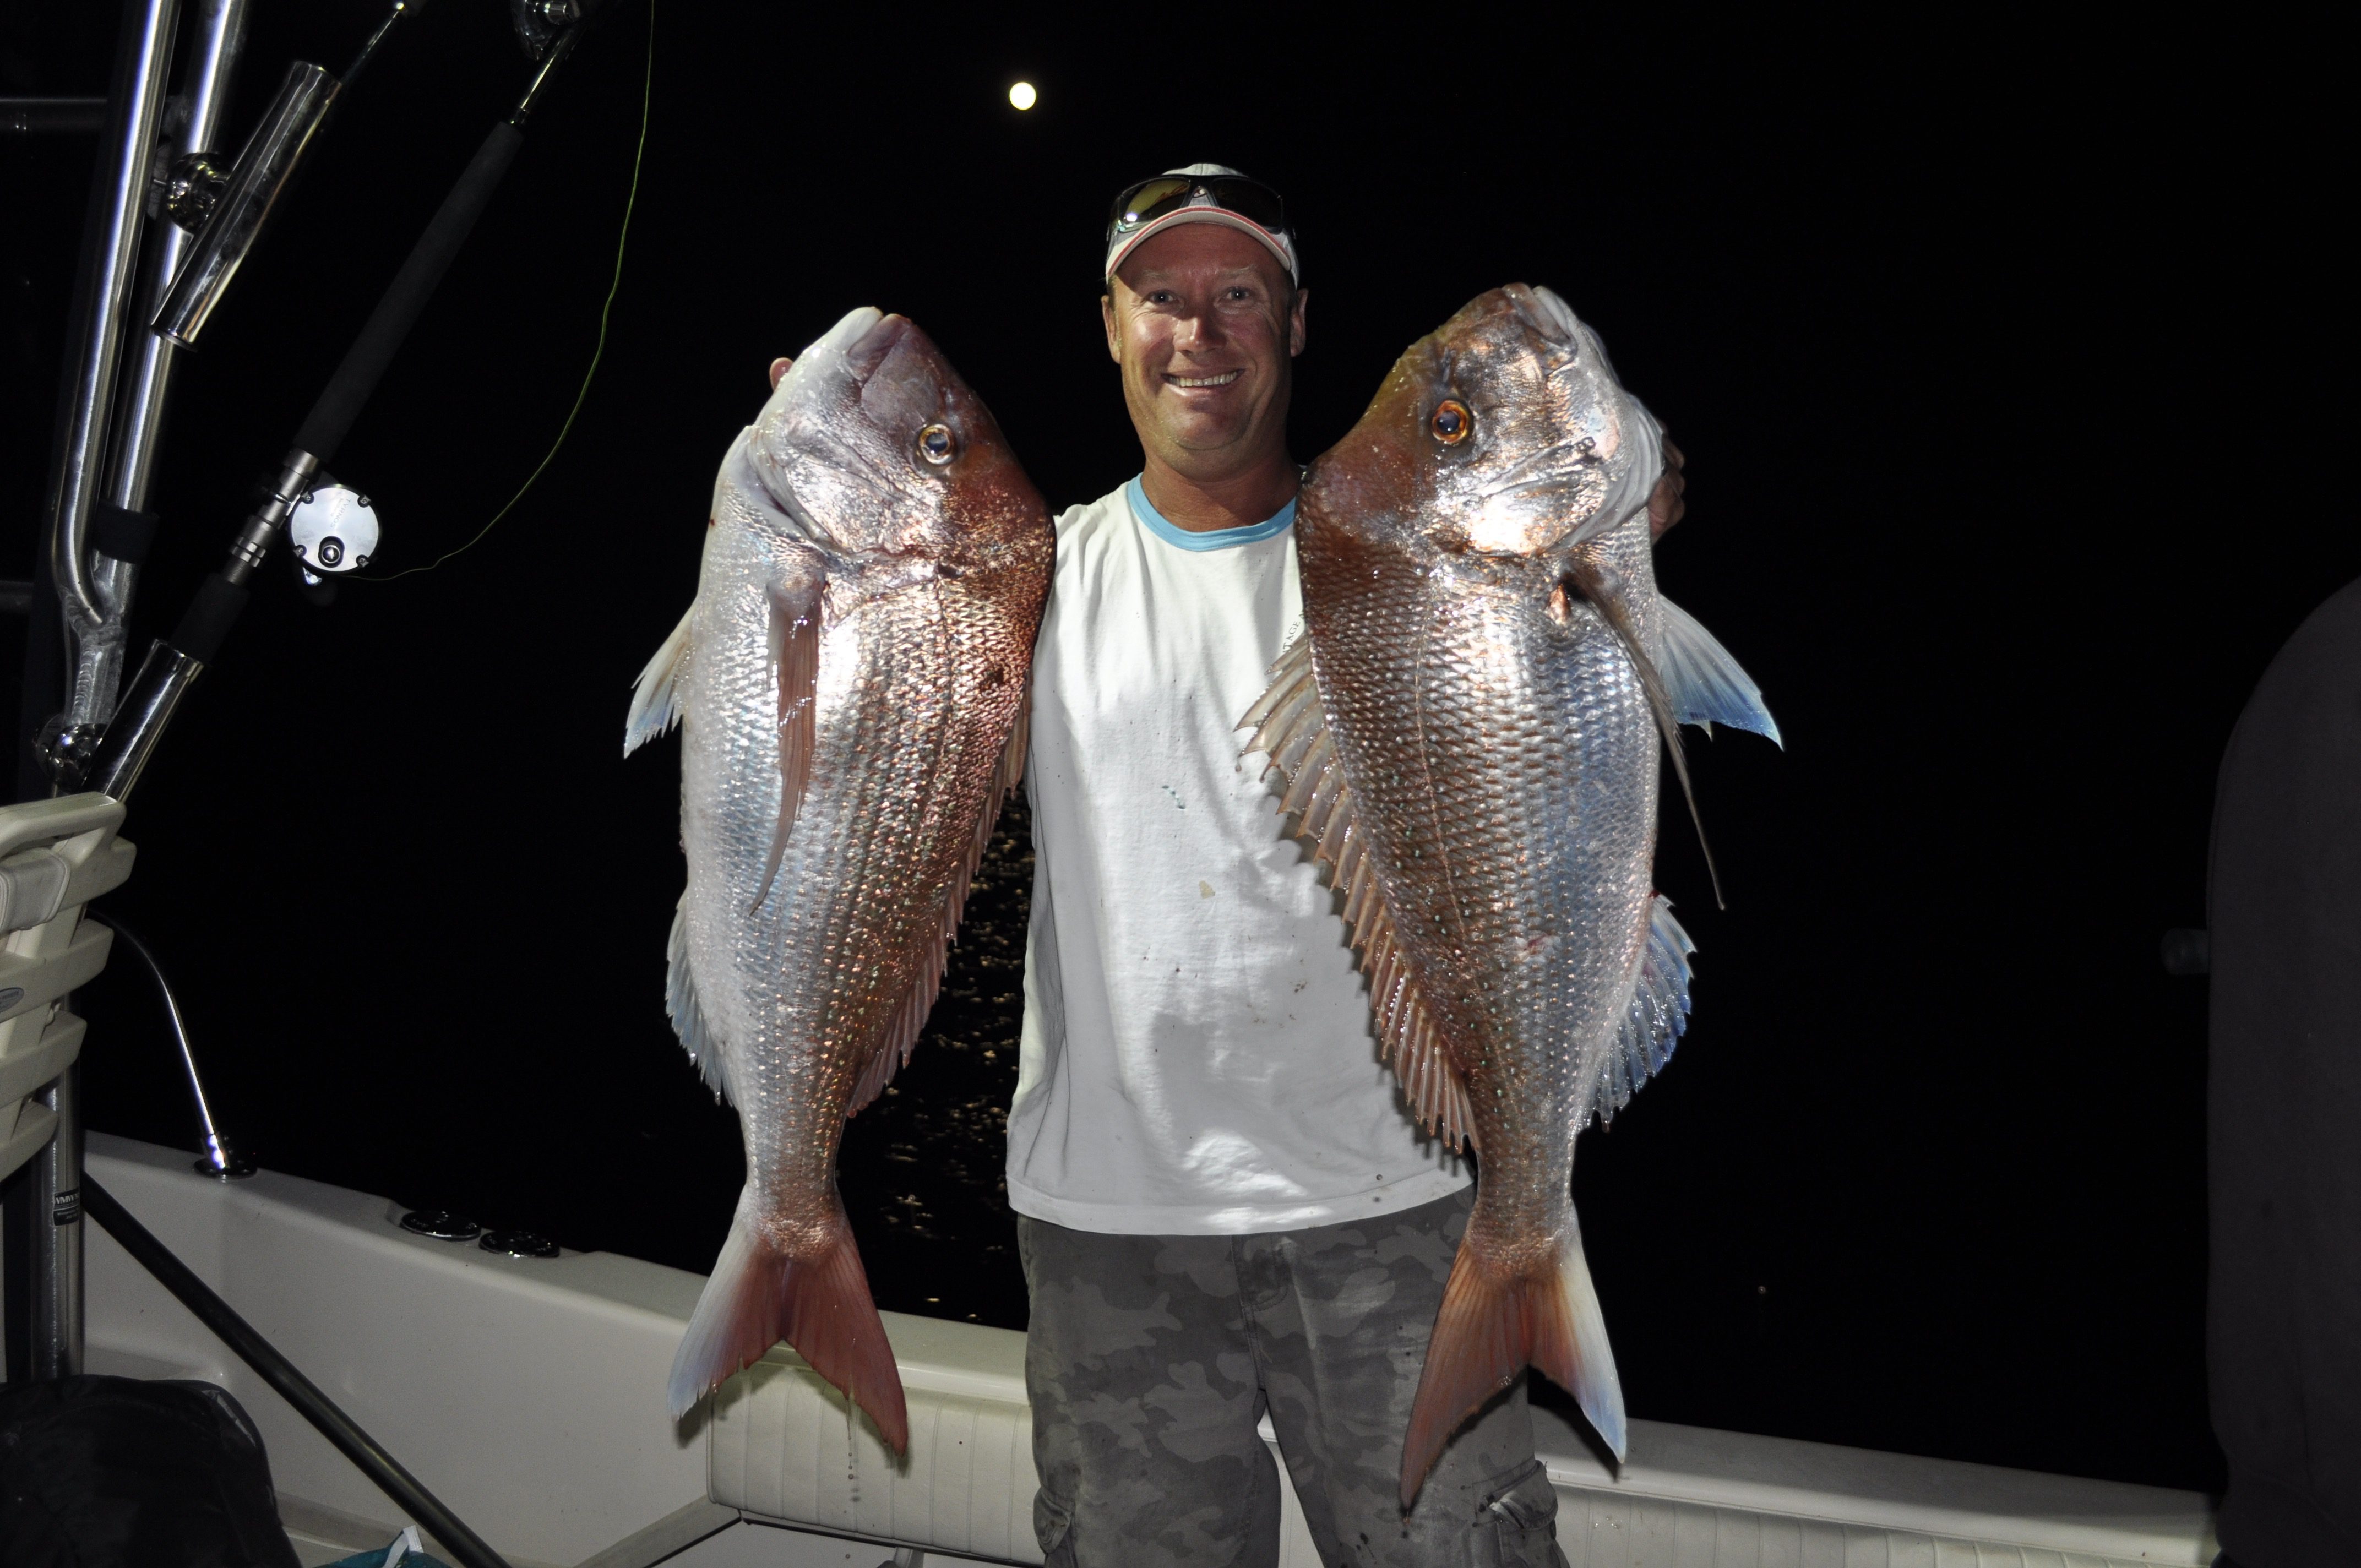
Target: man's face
1203, 323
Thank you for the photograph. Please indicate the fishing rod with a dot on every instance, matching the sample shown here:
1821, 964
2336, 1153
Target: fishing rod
369, 1456
550, 30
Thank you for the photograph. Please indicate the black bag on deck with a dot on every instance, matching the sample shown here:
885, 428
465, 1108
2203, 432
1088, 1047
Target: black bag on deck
114, 1473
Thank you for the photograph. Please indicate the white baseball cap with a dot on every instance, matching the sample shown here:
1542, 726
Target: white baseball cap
1200, 193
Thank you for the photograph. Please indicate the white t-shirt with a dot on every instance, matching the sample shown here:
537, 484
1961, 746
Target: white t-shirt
1197, 1055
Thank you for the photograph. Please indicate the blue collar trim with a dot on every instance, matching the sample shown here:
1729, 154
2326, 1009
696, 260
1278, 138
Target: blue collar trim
1157, 523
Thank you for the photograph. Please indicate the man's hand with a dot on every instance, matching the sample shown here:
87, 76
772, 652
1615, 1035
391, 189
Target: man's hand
1665, 507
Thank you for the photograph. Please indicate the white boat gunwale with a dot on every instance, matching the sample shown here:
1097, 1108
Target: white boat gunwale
528, 1394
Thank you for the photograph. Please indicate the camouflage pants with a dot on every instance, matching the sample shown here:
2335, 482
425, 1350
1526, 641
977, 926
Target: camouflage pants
1151, 1359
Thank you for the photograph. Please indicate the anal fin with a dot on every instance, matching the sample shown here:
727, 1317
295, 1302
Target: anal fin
688, 1020
655, 697
1653, 1019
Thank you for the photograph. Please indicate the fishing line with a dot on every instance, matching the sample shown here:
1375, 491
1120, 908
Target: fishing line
647, 93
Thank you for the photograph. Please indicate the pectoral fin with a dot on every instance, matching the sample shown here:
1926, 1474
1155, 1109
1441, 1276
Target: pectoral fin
795, 662
1602, 589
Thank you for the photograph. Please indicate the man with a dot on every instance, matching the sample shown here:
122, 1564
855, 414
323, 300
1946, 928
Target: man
1225, 1209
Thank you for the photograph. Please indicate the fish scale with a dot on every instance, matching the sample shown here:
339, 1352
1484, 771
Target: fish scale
1467, 891
1469, 731
858, 887
850, 684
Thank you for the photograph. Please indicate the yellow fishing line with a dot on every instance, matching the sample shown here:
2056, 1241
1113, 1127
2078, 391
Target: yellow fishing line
647, 92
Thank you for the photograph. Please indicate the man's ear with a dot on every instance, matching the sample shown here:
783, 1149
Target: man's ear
1107, 319
1295, 323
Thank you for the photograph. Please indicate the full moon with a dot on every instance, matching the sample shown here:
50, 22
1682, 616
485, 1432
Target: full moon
1022, 95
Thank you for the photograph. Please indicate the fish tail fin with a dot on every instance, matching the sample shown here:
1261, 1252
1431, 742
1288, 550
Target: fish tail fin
1490, 1329
820, 1305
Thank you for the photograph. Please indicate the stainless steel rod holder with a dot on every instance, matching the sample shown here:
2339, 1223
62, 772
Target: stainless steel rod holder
172, 666
155, 694
136, 115
218, 35
122, 753
265, 166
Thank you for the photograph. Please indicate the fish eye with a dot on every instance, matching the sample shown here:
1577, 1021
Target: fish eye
1452, 421
936, 444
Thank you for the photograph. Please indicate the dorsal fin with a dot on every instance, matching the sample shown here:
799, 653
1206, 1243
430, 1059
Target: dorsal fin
1291, 730
894, 1050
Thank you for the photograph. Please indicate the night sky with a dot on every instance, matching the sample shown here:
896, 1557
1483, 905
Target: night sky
1998, 355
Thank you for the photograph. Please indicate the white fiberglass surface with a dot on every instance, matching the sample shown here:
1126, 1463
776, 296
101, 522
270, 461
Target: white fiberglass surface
528, 1395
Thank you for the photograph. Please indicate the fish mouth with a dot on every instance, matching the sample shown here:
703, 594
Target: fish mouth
806, 411
1541, 309
864, 354
861, 340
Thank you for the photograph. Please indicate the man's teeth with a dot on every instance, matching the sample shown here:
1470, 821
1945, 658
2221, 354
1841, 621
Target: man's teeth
1223, 380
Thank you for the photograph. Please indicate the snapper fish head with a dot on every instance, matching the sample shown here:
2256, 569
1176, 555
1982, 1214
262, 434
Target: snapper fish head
871, 445
1507, 431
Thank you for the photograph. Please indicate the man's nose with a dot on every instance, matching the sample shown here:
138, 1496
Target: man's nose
1199, 330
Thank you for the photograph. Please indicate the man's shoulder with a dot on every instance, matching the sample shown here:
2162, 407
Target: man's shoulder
1092, 517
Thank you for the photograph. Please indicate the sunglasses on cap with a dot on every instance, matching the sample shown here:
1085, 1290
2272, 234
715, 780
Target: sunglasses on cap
1152, 199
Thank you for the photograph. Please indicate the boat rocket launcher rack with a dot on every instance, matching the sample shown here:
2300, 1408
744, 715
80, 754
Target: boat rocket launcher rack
229, 209
59, 853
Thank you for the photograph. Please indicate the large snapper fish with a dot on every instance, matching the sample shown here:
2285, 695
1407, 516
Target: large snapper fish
851, 684
1469, 729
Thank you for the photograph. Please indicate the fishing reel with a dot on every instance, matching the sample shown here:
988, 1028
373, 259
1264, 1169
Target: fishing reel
540, 23
332, 530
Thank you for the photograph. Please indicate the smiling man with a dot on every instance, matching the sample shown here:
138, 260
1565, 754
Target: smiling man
1225, 1209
